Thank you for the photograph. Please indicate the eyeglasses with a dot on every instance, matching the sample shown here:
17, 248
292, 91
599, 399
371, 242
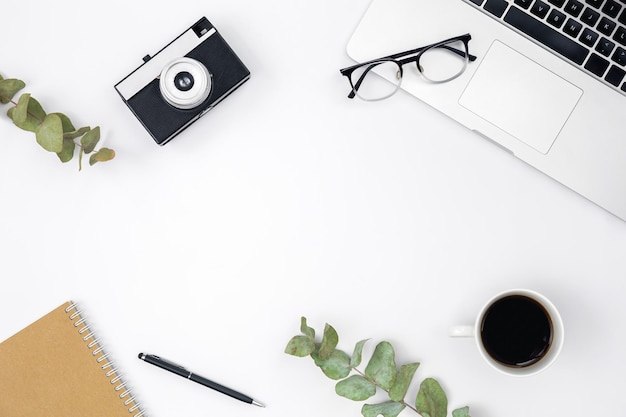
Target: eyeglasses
437, 63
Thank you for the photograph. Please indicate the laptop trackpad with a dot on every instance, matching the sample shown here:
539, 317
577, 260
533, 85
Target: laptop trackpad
520, 97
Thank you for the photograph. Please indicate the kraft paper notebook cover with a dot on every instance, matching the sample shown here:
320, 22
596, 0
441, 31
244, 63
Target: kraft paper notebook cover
56, 367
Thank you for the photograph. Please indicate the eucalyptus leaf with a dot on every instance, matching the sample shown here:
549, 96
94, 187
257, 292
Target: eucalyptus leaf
336, 366
329, 342
90, 140
76, 133
67, 152
461, 412
67, 123
28, 113
386, 409
382, 366
21, 109
403, 380
300, 346
8, 89
306, 330
431, 400
103, 155
355, 388
50, 134
357, 355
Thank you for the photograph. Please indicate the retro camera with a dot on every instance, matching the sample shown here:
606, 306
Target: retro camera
183, 81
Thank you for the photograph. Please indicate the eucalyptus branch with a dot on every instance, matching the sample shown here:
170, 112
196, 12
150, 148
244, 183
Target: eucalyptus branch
381, 373
54, 132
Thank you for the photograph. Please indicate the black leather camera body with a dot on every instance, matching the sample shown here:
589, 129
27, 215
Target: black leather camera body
183, 81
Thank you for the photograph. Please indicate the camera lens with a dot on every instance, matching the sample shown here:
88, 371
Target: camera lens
183, 81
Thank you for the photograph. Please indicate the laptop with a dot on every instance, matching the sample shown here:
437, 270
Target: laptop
548, 84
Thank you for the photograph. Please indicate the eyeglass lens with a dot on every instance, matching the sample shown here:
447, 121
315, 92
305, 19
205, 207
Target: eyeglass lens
377, 81
443, 63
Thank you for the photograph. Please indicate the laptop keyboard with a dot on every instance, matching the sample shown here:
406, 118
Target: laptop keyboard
590, 34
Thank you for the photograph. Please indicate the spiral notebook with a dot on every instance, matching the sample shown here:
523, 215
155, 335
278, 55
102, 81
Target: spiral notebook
56, 367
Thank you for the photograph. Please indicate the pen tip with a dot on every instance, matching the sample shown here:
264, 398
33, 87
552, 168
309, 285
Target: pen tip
258, 404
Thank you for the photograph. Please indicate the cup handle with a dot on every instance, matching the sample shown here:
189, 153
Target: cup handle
461, 331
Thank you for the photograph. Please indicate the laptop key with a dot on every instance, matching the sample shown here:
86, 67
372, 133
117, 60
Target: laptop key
496, 7
547, 36
606, 26
589, 37
605, 47
590, 17
572, 28
615, 76
574, 7
611, 8
597, 65
540, 9
556, 18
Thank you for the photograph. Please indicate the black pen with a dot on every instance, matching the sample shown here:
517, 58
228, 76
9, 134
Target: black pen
179, 370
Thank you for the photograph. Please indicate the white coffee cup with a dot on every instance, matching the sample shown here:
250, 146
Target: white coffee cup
518, 332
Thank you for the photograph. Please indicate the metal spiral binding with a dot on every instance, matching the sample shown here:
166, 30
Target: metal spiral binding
106, 365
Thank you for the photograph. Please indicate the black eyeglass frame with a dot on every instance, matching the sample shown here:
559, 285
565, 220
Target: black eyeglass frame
398, 59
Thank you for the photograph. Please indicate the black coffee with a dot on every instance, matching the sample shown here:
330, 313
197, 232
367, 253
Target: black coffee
516, 331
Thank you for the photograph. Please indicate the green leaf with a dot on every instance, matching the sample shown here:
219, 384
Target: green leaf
21, 109
67, 123
357, 355
50, 134
103, 155
300, 346
329, 342
461, 412
67, 153
336, 366
90, 140
28, 113
403, 380
8, 89
386, 409
355, 388
382, 366
431, 399
306, 330
76, 133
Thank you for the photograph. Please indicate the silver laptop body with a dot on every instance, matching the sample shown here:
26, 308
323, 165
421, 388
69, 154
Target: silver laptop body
550, 111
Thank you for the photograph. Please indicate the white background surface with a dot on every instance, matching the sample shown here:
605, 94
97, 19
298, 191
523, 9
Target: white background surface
385, 219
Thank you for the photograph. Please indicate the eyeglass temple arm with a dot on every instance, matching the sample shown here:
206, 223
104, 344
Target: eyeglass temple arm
358, 83
460, 53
